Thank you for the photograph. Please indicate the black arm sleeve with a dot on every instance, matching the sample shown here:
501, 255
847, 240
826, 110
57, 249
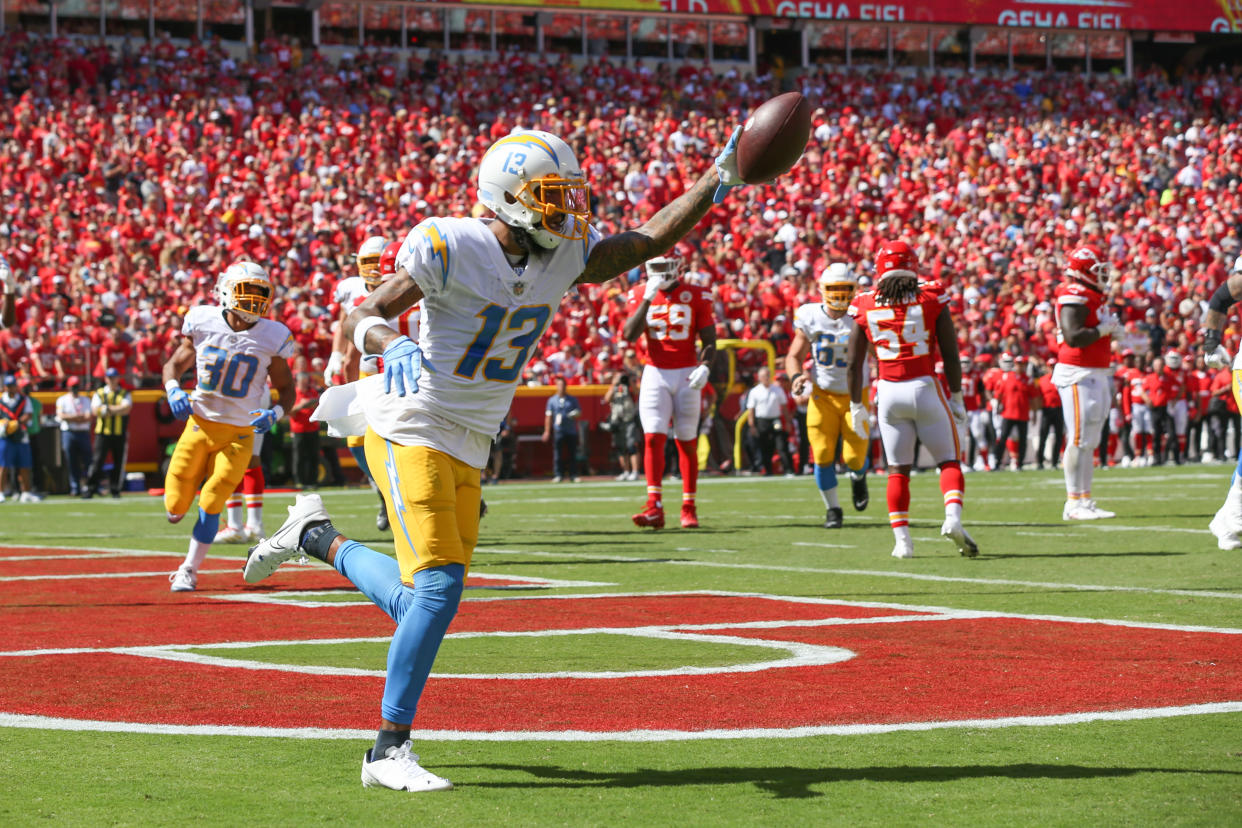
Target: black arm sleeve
1222, 299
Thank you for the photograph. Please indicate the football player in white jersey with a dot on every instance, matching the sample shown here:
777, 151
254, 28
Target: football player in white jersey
489, 288
235, 351
823, 330
344, 362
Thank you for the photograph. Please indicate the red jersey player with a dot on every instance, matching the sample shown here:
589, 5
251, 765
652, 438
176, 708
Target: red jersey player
1082, 375
672, 313
908, 323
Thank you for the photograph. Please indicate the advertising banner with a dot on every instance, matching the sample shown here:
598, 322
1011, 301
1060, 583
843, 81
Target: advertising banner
1121, 15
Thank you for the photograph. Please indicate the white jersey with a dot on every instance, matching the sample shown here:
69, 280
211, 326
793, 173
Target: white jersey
350, 292
481, 321
829, 338
231, 366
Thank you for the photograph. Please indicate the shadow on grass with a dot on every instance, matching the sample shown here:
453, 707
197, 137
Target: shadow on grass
796, 783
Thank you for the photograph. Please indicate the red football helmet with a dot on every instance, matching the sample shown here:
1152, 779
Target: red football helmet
895, 258
388, 260
1088, 265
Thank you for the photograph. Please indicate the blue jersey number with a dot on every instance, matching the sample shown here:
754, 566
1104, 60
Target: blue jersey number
828, 347
513, 162
231, 376
529, 320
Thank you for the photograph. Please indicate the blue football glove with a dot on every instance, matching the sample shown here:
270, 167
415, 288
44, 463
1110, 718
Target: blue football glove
403, 364
726, 167
179, 402
264, 419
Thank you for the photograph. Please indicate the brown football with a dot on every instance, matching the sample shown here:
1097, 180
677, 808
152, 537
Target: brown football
773, 137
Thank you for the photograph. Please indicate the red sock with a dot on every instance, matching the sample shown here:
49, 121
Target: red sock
653, 462
1112, 445
1011, 446
688, 462
898, 499
1181, 445
952, 483
253, 481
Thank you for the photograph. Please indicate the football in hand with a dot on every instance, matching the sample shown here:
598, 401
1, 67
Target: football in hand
773, 137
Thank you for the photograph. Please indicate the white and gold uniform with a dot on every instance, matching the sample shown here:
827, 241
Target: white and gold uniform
482, 319
827, 413
231, 368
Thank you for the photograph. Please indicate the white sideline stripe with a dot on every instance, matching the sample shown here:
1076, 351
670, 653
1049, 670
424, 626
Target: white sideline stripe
1137, 714
162, 572
877, 574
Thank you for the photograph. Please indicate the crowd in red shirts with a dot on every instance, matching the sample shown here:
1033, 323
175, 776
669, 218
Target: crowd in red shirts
132, 176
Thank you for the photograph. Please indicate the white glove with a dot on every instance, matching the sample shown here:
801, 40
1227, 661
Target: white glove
958, 409
860, 420
1108, 324
7, 276
369, 364
1217, 359
335, 363
654, 286
698, 377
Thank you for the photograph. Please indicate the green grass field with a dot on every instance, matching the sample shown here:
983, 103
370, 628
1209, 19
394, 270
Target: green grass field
1156, 564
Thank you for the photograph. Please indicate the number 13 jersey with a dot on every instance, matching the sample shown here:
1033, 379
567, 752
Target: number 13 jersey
903, 335
674, 319
231, 366
481, 321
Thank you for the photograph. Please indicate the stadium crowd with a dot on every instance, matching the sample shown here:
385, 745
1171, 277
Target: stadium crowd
133, 175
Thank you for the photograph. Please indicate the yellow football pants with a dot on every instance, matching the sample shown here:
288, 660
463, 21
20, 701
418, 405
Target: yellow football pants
433, 504
217, 451
827, 418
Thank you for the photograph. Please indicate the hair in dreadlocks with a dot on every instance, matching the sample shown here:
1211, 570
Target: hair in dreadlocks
897, 290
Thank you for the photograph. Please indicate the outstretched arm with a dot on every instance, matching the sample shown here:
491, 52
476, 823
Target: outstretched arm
628, 249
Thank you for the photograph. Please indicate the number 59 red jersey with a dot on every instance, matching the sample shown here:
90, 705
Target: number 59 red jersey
904, 336
674, 319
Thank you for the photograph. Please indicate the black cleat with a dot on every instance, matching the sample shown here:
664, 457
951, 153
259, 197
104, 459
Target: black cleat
381, 517
834, 520
482, 509
858, 485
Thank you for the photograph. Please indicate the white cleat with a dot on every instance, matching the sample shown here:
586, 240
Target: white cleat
1226, 538
253, 533
230, 534
1077, 510
903, 549
184, 579
399, 770
954, 531
271, 552
30, 497
1100, 514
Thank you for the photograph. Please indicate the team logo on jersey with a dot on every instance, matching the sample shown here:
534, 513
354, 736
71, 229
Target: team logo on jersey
685, 296
519, 288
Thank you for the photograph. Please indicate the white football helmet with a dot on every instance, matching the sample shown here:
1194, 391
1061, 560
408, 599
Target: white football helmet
666, 267
368, 258
246, 290
530, 179
837, 285
1006, 362
1173, 360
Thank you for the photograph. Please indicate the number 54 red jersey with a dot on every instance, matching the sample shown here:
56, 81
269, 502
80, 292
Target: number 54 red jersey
674, 319
904, 336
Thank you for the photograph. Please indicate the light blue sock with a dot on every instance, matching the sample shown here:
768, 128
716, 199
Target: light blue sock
1237, 469
360, 457
205, 527
826, 476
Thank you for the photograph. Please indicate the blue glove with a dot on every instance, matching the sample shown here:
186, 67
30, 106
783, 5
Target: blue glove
265, 418
179, 402
726, 167
403, 364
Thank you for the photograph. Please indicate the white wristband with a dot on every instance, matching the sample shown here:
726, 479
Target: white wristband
278, 411
171, 385
360, 330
